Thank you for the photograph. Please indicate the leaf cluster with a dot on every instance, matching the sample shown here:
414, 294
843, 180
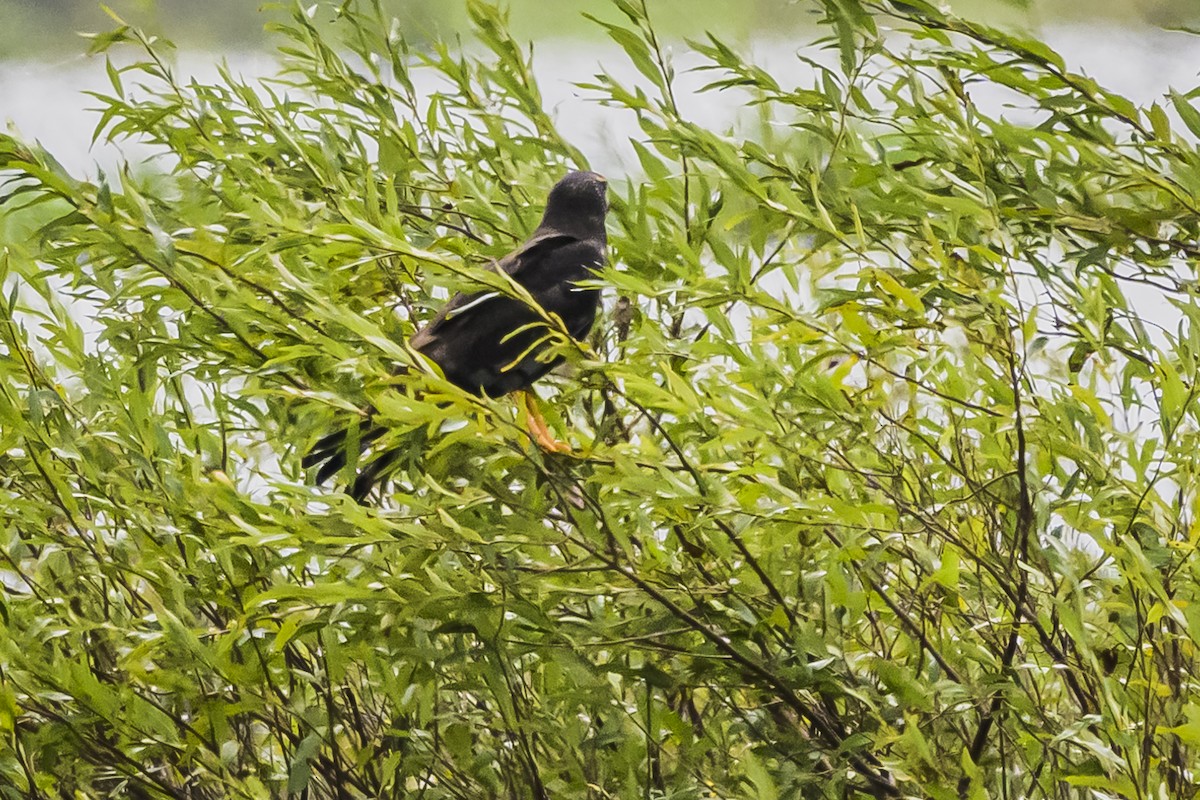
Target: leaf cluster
886, 469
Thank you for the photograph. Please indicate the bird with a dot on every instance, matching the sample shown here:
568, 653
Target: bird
489, 343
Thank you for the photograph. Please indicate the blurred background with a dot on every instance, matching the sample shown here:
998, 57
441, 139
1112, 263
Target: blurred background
1140, 48
48, 28
40, 29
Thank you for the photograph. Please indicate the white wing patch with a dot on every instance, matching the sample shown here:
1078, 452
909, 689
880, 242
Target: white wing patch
483, 298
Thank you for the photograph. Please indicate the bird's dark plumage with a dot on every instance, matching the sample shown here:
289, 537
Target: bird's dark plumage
486, 342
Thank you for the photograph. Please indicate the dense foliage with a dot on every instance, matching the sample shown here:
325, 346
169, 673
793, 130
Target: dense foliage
886, 467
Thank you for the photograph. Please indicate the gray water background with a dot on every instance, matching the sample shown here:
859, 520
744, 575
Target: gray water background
46, 102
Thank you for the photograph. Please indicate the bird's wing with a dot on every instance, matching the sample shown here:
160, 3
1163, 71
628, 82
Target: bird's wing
514, 264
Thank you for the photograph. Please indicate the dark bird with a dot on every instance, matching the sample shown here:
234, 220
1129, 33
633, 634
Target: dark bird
488, 343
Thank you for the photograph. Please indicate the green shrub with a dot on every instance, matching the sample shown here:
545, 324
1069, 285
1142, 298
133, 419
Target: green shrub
887, 453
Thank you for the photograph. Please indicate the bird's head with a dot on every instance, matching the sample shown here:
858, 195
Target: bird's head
577, 205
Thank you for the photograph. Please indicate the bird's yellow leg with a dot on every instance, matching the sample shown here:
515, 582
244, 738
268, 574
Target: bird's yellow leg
538, 428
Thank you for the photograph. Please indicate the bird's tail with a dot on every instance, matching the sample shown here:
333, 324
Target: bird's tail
331, 453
